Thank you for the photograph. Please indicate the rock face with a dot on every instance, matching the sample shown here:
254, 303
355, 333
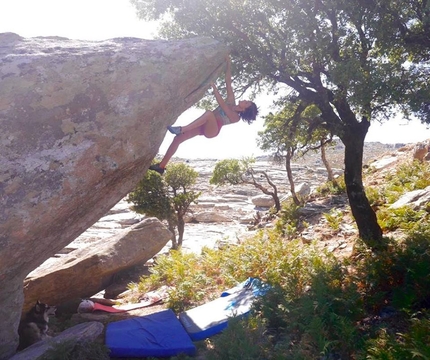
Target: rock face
84, 272
81, 122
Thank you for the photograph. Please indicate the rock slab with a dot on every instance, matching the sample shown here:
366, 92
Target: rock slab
86, 271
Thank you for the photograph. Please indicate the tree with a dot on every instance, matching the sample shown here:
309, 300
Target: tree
290, 131
234, 172
167, 197
330, 54
404, 29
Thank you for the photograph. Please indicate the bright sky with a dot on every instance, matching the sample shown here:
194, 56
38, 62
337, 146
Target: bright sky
105, 19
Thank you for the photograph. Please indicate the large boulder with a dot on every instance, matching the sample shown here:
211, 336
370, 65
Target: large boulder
84, 272
80, 123
265, 201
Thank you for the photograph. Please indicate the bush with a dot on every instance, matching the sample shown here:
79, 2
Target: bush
243, 339
337, 187
167, 198
408, 177
412, 345
288, 222
398, 276
404, 218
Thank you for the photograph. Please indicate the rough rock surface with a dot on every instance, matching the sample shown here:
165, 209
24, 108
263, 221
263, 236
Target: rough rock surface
81, 122
88, 331
84, 272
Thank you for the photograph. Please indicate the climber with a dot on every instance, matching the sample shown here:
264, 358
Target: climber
210, 123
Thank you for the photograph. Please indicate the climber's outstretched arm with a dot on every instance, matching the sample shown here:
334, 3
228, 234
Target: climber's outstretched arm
230, 94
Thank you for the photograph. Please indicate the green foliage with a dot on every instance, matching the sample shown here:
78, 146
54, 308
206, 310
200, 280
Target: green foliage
334, 218
229, 171
312, 307
404, 218
264, 256
319, 321
184, 273
402, 346
81, 350
332, 62
233, 172
180, 176
167, 197
408, 177
398, 276
288, 131
375, 196
315, 305
318, 306
243, 339
288, 221
353, 50
337, 187
151, 197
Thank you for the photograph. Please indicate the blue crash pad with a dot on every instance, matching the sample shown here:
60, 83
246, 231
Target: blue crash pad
211, 318
155, 335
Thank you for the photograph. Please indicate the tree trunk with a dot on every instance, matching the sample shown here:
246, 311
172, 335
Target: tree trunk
181, 229
290, 177
172, 230
326, 163
273, 194
368, 227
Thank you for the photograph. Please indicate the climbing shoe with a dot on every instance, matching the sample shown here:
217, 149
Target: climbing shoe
175, 129
157, 168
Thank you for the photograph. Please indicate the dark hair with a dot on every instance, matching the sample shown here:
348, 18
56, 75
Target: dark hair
250, 113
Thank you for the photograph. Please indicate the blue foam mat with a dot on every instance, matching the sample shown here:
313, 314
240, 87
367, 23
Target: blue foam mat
211, 318
157, 335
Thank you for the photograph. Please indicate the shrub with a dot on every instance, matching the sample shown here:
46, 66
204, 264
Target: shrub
404, 218
337, 187
234, 172
398, 276
321, 320
243, 339
334, 218
415, 344
408, 177
183, 273
312, 301
168, 197
288, 222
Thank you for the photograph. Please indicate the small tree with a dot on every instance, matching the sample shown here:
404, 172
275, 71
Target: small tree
290, 132
167, 197
235, 172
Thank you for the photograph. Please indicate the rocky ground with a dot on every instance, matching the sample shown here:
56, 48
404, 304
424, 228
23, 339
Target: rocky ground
224, 213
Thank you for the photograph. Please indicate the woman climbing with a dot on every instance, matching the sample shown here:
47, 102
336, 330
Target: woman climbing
210, 123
